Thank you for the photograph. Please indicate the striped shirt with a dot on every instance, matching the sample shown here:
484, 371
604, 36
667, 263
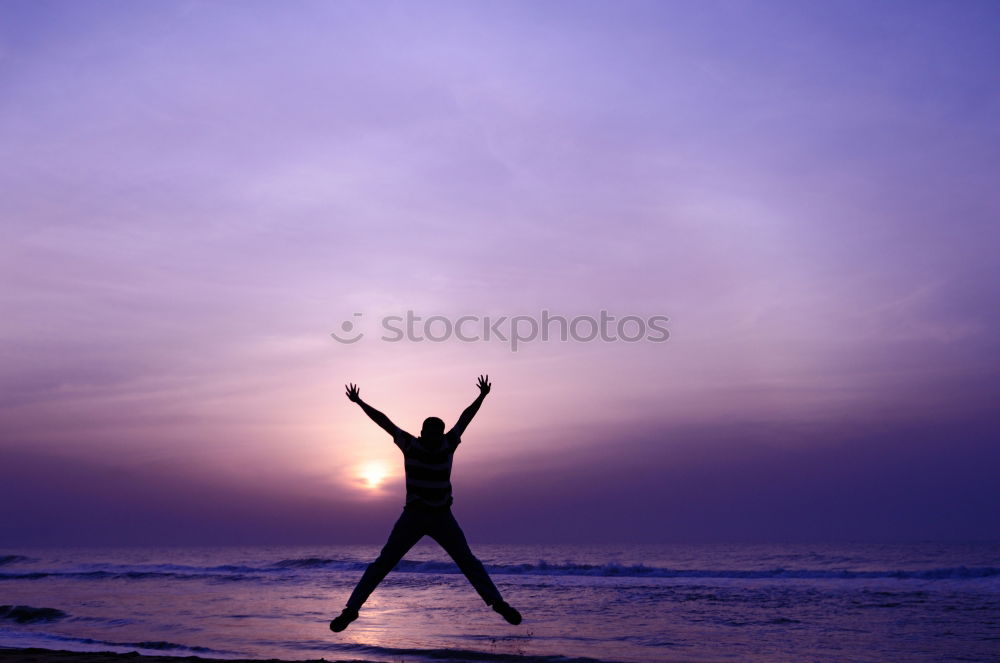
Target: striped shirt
428, 470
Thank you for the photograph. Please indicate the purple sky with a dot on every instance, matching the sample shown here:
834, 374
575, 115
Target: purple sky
194, 195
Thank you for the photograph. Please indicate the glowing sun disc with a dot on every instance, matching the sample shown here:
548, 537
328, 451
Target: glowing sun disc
373, 474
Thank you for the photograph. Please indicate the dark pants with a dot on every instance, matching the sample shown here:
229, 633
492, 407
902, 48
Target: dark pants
412, 525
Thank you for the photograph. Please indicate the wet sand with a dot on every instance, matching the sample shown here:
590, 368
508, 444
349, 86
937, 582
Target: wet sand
52, 656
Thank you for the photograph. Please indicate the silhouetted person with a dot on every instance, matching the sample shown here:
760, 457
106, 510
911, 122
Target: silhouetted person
428, 507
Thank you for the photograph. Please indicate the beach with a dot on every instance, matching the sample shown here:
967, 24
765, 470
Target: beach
35, 655
625, 603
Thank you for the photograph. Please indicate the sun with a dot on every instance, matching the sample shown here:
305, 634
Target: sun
372, 474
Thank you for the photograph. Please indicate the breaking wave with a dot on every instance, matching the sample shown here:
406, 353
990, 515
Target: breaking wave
156, 645
25, 614
453, 654
292, 568
56, 641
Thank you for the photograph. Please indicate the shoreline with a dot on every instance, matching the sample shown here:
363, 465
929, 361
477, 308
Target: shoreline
40, 655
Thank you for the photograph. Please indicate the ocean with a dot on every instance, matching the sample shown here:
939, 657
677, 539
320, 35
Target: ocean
628, 603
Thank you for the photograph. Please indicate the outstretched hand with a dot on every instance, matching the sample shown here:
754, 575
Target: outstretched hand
352, 392
484, 385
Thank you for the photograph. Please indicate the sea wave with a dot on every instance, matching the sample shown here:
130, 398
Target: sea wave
513, 644
126, 575
13, 559
296, 568
70, 642
642, 571
305, 563
543, 567
25, 614
155, 645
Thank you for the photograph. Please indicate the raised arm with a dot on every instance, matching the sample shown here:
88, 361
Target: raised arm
375, 415
484, 388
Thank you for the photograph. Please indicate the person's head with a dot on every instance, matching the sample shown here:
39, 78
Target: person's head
432, 430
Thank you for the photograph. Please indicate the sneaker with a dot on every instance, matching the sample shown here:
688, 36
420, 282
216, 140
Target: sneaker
345, 618
510, 614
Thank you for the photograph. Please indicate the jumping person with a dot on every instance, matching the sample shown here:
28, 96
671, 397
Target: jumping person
428, 507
